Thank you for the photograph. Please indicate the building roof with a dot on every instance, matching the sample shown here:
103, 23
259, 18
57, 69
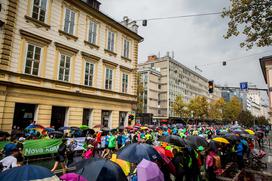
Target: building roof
99, 15
168, 58
262, 63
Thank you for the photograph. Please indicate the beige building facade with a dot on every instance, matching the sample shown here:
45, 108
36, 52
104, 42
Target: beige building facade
164, 78
65, 63
266, 66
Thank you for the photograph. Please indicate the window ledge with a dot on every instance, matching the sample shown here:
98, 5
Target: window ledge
125, 58
37, 23
68, 36
111, 53
91, 44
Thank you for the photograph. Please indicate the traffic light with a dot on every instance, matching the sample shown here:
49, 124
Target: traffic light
211, 86
145, 22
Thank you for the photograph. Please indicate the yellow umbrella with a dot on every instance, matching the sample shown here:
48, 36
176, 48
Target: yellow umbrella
143, 128
221, 140
122, 163
249, 131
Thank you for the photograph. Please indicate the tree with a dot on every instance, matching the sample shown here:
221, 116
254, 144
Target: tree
140, 91
179, 107
251, 18
232, 109
199, 107
246, 118
261, 121
215, 110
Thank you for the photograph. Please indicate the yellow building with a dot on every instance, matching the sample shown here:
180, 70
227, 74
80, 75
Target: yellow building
65, 63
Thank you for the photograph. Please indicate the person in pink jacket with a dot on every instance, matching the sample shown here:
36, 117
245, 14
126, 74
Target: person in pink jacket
210, 165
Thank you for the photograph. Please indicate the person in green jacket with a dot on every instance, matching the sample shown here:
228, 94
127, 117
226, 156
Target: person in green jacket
112, 142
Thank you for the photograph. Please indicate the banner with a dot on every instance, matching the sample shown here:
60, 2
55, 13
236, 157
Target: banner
79, 142
41, 147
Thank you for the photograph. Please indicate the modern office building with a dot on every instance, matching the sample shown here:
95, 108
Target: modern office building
163, 79
65, 63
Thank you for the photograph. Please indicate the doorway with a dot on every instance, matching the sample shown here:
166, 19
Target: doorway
122, 118
24, 114
106, 116
87, 114
58, 117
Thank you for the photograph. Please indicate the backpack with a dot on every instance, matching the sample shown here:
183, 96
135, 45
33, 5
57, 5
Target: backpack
217, 162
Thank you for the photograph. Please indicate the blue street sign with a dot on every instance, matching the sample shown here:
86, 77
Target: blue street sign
243, 85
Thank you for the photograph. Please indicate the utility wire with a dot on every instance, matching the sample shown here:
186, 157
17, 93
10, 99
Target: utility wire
233, 59
180, 16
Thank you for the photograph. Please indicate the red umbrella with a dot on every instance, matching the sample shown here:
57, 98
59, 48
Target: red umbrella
98, 126
129, 127
166, 159
164, 121
163, 151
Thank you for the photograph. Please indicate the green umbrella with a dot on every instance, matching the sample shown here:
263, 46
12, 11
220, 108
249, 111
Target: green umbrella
84, 127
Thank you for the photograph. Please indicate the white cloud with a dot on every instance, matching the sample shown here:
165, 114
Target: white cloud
195, 41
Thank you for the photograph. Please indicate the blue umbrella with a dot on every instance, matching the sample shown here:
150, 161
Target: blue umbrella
135, 153
27, 172
64, 128
49, 129
31, 126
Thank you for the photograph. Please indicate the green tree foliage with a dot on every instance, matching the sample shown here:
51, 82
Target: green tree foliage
140, 90
215, 109
180, 107
251, 18
232, 109
246, 118
199, 107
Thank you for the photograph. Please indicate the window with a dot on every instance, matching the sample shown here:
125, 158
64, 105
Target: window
92, 32
108, 82
32, 60
125, 83
111, 41
39, 10
69, 21
126, 48
89, 73
64, 68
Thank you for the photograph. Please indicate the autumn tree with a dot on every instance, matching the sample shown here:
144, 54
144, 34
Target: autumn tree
140, 91
179, 106
215, 109
232, 109
261, 121
251, 18
246, 118
199, 107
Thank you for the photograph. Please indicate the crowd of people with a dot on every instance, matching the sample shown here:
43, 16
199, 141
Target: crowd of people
195, 152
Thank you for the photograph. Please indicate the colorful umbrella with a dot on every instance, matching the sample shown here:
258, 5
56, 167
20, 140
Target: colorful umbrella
149, 171
84, 127
135, 153
221, 140
122, 163
98, 169
249, 131
28, 172
196, 141
163, 151
72, 177
98, 126
174, 140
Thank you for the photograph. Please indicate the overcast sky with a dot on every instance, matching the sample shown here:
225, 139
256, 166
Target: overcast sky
195, 41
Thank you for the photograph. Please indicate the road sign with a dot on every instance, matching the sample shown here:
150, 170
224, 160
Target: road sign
243, 85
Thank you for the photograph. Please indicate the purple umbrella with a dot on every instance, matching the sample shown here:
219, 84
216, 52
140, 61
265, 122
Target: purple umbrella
149, 171
72, 177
